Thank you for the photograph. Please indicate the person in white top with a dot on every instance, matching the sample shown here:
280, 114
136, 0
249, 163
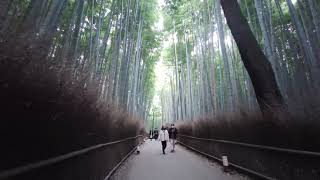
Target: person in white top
163, 137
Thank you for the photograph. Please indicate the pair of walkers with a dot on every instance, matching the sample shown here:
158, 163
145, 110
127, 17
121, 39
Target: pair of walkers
165, 136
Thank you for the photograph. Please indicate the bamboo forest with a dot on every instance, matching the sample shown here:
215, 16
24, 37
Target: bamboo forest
78, 75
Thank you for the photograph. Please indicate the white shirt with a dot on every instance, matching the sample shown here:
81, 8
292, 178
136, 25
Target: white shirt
163, 135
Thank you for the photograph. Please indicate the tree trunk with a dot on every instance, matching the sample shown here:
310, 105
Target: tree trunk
256, 63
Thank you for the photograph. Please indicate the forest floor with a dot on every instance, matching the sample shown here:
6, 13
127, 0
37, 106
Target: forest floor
183, 164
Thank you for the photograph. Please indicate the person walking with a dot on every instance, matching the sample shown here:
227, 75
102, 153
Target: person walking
163, 137
173, 132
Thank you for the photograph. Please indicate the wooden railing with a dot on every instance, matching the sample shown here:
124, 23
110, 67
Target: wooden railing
60, 159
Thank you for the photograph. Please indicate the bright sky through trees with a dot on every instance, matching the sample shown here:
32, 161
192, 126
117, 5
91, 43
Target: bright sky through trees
161, 70
199, 57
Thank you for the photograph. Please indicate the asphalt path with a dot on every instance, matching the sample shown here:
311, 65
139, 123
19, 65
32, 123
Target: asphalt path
183, 164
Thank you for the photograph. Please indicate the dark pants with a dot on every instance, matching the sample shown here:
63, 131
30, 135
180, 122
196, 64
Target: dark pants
164, 145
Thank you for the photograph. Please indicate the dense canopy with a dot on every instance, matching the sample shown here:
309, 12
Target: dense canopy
77, 73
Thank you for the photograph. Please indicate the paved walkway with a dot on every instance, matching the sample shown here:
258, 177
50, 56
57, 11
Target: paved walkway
151, 164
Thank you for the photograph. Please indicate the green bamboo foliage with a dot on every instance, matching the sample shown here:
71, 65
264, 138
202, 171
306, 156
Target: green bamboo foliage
211, 77
112, 44
109, 43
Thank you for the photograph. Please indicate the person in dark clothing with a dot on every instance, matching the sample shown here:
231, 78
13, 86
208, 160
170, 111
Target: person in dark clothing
155, 134
173, 132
